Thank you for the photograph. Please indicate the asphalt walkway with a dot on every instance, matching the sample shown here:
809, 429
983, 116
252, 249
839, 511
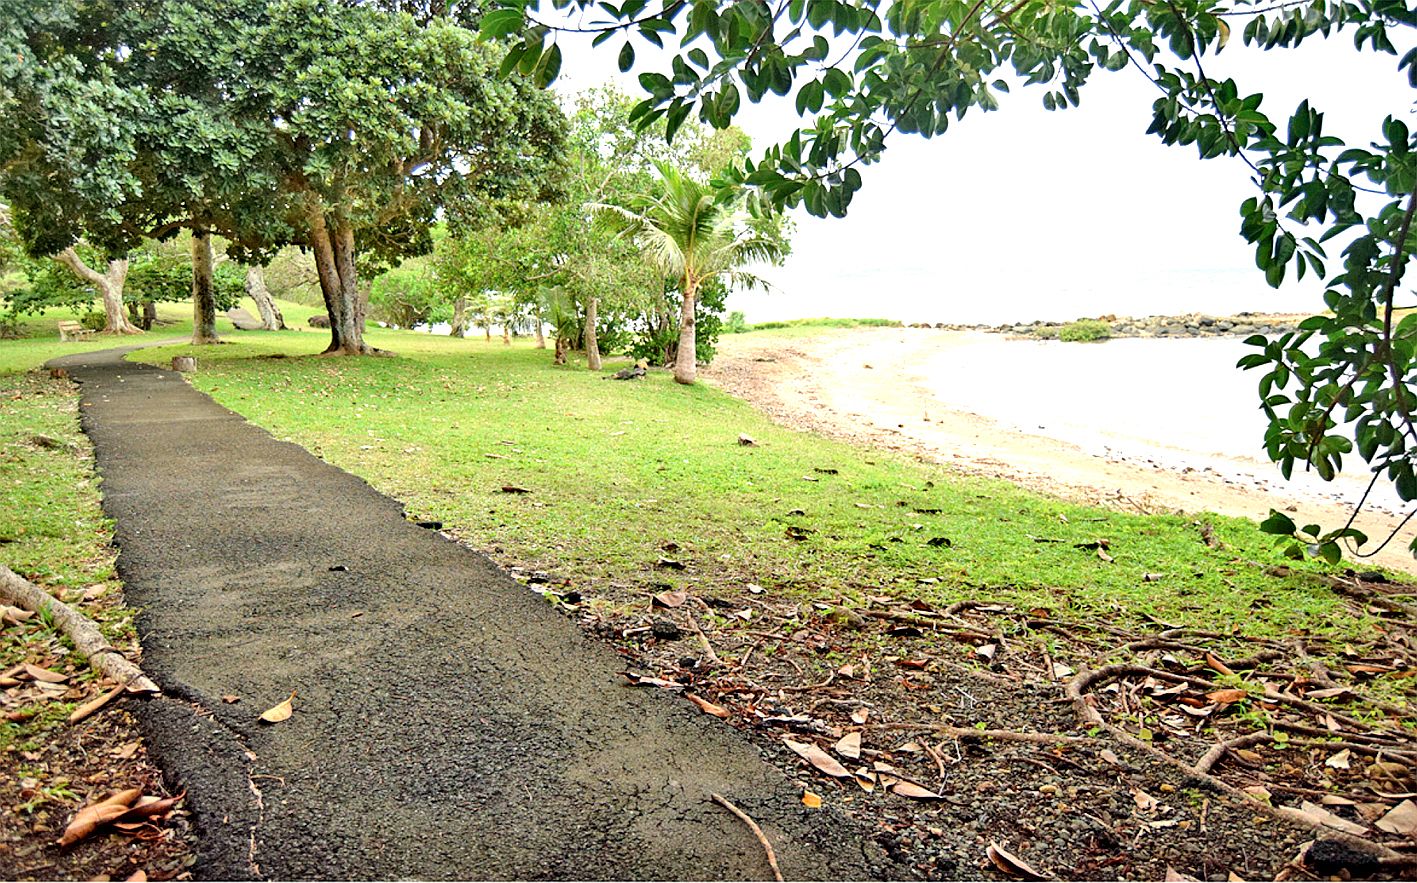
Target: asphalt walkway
448, 724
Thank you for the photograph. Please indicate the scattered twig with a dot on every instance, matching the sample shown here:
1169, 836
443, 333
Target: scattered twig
1217, 753
757, 832
1001, 735
703, 639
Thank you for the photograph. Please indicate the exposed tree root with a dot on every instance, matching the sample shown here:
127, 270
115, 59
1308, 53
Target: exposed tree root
1086, 679
78, 628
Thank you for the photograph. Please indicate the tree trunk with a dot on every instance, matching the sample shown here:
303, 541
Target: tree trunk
203, 290
560, 350
459, 328
133, 316
540, 332
109, 286
507, 333
339, 284
686, 367
592, 343
271, 319
149, 315
487, 331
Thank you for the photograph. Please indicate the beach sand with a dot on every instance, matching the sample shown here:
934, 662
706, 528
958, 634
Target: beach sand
864, 385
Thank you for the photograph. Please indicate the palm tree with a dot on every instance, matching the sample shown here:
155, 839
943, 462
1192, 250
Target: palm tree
694, 233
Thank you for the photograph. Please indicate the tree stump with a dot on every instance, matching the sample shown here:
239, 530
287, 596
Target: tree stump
184, 364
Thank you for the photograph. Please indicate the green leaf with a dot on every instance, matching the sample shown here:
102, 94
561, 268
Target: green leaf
627, 57
1278, 524
500, 23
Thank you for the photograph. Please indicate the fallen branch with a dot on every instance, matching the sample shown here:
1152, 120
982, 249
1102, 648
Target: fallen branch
78, 628
93, 705
757, 832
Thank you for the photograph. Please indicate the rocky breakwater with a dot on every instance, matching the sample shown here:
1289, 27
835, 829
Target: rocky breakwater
1190, 325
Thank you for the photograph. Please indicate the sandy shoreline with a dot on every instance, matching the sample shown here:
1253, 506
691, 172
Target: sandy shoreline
820, 381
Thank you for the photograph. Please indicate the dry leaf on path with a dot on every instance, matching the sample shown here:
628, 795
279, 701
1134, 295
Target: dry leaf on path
1213, 662
1401, 821
849, 746
277, 713
811, 801
1145, 802
138, 876
1012, 864
708, 707
91, 817
1175, 876
860, 715
1061, 671
818, 758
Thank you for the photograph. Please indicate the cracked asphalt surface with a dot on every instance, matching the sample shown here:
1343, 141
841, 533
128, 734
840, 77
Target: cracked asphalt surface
449, 724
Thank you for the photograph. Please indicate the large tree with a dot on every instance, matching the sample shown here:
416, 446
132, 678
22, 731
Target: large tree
863, 71
342, 128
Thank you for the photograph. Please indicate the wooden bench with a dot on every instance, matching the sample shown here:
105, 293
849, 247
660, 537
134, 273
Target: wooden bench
243, 320
71, 330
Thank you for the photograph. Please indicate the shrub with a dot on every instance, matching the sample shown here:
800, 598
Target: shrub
1085, 331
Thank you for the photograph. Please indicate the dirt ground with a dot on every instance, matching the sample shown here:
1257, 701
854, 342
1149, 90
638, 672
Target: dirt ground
864, 385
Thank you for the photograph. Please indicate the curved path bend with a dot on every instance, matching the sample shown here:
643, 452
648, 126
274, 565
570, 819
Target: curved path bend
449, 724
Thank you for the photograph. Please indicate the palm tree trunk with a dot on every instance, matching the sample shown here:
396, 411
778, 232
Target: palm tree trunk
686, 367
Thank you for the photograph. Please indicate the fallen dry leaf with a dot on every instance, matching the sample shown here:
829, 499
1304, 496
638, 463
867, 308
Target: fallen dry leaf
986, 651
860, 715
44, 675
1214, 662
277, 713
1061, 671
818, 758
1339, 761
811, 801
1110, 756
1226, 697
1011, 864
708, 707
138, 876
849, 746
1175, 876
229, 699
910, 789
1402, 821
88, 819
1145, 802
1327, 819
866, 779
146, 807
670, 600
124, 752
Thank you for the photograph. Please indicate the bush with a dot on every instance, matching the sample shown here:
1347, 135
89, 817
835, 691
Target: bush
1085, 331
93, 320
735, 324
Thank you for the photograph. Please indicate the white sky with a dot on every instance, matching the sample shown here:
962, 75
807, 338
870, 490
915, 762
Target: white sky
1024, 214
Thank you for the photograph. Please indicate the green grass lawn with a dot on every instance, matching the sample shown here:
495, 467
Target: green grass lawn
617, 471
